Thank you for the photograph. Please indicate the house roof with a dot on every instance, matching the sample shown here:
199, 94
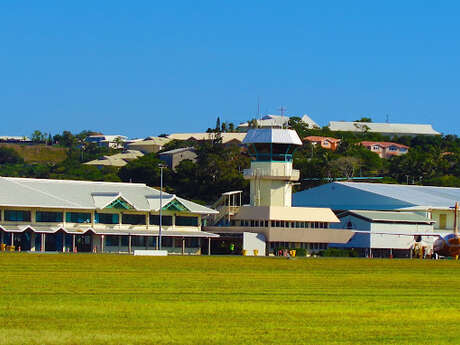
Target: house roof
377, 196
384, 144
272, 135
226, 137
116, 160
150, 141
319, 138
279, 121
88, 195
388, 128
172, 152
389, 217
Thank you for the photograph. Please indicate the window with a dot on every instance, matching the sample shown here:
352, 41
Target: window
178, 243
165, 220
111, 241
393, 148
266, 223
125, 241
137, 241
188, 221
192, 242
442, 221
17, 216
133, 219
74, 217
49, 217
166, 242
106, 218
273, 223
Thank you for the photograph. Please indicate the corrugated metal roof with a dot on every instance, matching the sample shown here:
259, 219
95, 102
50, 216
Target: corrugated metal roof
396, 128
377, 196
416, 195
388, 216
27, 192
272, 135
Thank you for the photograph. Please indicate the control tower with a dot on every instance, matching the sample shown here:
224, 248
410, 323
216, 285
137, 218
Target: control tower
271, 174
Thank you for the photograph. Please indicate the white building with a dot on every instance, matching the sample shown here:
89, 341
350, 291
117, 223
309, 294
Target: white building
112, 141
390, 129
277, 121
62, 215
432, 202
376, 227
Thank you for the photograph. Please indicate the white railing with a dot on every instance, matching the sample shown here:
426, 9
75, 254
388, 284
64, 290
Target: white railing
286, 173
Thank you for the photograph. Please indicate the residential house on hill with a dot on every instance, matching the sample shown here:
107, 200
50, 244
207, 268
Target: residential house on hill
385, 149
117, 160
389, 129
227, 138
277, 121
325, 142
149, 144
173, 158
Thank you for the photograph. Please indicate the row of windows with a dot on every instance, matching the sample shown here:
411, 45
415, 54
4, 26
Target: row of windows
101, 218
149, 241
282, 224
293, 245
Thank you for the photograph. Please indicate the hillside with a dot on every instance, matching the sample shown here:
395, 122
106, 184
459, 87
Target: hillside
38, 153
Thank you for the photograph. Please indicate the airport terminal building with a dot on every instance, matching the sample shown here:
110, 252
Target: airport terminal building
81, 216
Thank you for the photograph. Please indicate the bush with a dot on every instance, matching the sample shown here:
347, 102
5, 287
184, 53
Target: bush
338, 252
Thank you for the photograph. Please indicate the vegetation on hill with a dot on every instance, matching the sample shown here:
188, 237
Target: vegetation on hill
431, 160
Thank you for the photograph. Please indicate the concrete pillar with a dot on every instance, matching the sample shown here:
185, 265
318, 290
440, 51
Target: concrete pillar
74, 247
102, 243
32, 241
12, 239
209, 245
43, 244
63, 242
183, 246
129, 244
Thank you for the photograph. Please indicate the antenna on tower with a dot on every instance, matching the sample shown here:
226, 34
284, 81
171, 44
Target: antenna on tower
282, 110
258, 107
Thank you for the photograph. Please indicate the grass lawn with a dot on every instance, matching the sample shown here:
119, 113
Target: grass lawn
116, 299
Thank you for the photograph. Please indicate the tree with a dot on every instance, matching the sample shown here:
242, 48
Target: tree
217, 129
364, 119
345, 166
38, 137
9, 156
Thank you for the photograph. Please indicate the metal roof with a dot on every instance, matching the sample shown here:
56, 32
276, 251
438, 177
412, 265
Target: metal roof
389, 217
43, 193
182, 149
377, 196
272, 135
279, 121
389, 128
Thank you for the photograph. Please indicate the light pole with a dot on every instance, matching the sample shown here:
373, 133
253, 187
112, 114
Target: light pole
161, 166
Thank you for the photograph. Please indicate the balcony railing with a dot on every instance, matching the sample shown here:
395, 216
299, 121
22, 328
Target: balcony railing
273, 173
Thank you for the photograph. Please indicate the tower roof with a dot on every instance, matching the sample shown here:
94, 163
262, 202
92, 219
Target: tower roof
272, 135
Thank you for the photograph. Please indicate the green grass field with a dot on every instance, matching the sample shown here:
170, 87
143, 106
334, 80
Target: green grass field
116, 299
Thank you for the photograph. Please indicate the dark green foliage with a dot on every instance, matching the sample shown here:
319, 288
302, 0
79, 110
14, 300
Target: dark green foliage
338, 252
9, 156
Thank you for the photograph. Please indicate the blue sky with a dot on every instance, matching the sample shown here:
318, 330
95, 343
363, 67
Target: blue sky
148, 67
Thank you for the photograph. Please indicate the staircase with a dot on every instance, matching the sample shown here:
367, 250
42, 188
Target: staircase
227, 205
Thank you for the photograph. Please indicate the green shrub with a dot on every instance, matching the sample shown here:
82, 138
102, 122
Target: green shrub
338, 252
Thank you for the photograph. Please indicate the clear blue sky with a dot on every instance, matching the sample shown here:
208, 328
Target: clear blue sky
148, 67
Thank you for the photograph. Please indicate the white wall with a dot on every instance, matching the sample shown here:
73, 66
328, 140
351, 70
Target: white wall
253, 241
